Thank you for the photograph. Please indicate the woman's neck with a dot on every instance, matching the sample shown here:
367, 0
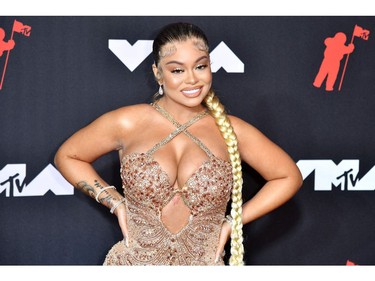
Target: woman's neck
182, 113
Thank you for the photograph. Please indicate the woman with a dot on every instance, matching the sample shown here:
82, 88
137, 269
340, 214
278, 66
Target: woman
180, 164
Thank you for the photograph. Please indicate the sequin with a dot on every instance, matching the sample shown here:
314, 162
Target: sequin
147, 191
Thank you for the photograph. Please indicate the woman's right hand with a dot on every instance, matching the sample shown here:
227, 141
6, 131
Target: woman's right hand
120, 212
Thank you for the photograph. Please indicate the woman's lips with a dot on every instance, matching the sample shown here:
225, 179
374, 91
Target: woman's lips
192, 93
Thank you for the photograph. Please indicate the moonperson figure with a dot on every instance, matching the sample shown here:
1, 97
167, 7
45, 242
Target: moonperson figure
333, 54
181, 161
5, 46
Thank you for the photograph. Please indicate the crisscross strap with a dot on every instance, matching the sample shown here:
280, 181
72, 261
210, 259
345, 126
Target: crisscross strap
180, 128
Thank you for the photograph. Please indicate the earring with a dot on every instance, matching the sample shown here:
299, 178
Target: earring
161, 92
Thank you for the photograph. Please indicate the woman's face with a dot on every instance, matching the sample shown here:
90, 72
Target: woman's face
185, 72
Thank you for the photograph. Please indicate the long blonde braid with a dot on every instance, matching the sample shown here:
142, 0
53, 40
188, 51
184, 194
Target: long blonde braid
217, 111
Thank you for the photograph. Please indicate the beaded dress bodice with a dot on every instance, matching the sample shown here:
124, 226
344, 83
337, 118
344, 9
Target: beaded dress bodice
148, 190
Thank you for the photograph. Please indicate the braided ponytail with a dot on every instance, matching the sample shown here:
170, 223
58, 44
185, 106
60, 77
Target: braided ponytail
217, 111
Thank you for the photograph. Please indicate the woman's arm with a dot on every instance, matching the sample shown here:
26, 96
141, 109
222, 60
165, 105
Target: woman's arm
272, 163
75, 157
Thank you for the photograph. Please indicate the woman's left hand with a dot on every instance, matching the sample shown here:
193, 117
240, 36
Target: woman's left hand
224, 235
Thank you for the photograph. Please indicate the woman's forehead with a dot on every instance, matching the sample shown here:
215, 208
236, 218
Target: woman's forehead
172, 47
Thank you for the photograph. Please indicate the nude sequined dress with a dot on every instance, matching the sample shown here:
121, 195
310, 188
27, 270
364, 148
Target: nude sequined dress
147, 190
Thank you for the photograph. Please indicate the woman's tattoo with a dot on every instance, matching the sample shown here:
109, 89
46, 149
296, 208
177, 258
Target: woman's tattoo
97, 184
86, 188
107, 198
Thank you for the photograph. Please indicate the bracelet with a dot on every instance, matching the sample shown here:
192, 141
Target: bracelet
105, 188
229, 219
116, 205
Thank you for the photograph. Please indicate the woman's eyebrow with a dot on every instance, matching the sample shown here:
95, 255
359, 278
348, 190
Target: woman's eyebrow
180, 63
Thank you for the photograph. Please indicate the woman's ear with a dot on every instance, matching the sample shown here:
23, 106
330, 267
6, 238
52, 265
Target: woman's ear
157, 73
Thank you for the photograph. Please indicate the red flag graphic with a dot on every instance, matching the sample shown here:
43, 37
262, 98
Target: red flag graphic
357, 32
360, 32
21, 28
349, 262
18, 27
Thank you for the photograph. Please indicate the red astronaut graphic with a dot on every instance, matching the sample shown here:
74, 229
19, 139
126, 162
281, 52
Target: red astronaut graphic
333, 54
7, 46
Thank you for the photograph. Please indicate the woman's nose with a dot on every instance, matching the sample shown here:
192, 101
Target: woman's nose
191, 78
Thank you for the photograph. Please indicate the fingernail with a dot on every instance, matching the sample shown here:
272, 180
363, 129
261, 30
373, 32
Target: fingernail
126, 242
217, 259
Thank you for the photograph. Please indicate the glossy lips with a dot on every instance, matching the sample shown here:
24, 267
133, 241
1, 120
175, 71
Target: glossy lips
192, 93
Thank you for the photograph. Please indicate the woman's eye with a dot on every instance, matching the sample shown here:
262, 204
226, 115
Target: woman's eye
201, 66
177, 70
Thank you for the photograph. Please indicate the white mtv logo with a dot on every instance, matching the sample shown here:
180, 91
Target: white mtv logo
345, 175
12, 179
132, 56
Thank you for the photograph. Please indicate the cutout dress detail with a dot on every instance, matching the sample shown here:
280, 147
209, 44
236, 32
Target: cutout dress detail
148, 190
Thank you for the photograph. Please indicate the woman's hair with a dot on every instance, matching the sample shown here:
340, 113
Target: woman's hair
177, 32
222, 121
181, 32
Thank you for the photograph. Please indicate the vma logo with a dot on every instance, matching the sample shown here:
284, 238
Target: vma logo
132, 56
343, 176
12, 182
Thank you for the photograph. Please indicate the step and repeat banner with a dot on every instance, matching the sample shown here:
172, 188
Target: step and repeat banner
307, 82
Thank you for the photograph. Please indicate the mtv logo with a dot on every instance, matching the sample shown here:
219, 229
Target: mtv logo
12, 180
343, 175
132, 56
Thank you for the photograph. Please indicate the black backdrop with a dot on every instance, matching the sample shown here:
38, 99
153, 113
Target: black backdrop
63, 75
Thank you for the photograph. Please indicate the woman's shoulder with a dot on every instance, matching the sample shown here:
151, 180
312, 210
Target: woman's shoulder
237, 121
134, 110
129, 111
130, 115
241, 126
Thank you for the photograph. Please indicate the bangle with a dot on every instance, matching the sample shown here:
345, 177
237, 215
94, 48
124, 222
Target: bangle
229, 219
116, 205
105, 188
